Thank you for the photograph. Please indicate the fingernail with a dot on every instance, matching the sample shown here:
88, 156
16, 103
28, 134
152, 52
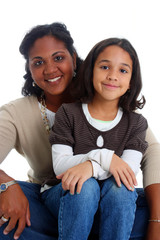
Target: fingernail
120, 185
71, 193
77, 192
132, 188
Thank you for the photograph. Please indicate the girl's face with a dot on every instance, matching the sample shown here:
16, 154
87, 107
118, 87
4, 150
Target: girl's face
51, 65
112, 74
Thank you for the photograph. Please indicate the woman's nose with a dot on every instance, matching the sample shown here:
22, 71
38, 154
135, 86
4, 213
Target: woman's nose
50, 68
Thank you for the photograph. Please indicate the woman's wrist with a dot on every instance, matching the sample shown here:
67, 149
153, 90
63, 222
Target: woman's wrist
4, 177
153, 198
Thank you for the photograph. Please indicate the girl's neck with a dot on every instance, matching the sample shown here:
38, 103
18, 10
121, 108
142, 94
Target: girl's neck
105, 111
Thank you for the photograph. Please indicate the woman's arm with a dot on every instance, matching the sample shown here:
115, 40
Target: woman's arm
153, 197
151, 180
13, 203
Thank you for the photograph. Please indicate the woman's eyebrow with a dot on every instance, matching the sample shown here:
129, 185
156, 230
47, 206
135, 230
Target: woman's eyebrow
55, 53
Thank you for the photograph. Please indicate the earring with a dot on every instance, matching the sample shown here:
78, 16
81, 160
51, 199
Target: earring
33, 84
74, 74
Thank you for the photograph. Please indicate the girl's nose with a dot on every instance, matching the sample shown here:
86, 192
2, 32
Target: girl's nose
112, 76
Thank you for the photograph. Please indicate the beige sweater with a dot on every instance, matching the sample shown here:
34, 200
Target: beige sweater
21, 127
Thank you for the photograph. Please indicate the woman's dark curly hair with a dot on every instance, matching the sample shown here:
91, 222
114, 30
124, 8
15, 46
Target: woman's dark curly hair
57, 30
84, 90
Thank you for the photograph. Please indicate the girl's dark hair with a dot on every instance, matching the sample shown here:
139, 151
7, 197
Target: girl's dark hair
84, 83
57, 30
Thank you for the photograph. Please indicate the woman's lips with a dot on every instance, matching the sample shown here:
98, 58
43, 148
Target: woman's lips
54, 79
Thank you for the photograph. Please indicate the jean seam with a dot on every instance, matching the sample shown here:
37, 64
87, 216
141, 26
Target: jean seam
60, 219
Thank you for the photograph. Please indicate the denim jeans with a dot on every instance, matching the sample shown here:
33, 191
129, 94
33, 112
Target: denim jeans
112, 209
44, 223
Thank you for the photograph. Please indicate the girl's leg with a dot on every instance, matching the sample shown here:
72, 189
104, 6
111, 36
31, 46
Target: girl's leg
43, 224
117, 211
76, 212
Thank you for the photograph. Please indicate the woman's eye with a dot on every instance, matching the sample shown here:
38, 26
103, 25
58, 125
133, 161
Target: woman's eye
58, 58
38, 63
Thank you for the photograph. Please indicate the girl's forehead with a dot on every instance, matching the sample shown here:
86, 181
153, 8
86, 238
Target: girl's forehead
114, 53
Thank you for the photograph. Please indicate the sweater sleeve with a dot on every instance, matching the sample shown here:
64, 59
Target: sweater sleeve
8, 133
64, 159
151, 161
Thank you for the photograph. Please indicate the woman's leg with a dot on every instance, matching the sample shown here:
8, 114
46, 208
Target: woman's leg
76, 212
43, 224
141, 217
117, 211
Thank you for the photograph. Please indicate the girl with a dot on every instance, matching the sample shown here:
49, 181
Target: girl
103, 129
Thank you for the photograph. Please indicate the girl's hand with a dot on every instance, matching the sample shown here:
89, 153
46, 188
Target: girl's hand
122, 172
75, 177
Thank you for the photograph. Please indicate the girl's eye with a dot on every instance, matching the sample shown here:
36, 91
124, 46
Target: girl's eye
123, 71
105, 67
58, 58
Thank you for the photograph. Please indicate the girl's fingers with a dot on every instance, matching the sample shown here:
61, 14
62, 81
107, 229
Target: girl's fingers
117, 178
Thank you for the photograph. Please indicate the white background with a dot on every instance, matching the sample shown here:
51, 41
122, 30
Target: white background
89, 21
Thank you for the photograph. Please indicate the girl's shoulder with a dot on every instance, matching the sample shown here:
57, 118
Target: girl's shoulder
137, 119
70, 108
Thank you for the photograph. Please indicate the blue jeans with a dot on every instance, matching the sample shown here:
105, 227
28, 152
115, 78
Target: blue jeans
44, 225
112, 209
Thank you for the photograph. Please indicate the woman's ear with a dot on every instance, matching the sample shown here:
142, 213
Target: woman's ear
74, 60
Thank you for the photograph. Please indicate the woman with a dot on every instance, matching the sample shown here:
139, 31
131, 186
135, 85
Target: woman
51, 63
24, 125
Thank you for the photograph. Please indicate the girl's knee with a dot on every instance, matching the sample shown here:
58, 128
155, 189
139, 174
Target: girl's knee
111, 191
90, 190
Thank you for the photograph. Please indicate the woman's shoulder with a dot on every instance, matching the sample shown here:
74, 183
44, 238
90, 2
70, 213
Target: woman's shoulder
20, 104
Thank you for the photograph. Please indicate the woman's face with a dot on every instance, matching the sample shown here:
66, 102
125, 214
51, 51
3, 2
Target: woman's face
112, 74
51, 65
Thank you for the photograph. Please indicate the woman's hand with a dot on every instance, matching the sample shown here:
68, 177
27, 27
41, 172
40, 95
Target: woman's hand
122, 172
75, 177
15, 207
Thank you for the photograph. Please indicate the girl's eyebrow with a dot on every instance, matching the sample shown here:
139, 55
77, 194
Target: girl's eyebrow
107, 61
55, 53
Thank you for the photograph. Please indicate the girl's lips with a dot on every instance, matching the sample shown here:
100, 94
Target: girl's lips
110, 86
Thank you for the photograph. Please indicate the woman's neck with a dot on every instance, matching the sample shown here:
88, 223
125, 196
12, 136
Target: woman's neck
105, 111
54, 102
